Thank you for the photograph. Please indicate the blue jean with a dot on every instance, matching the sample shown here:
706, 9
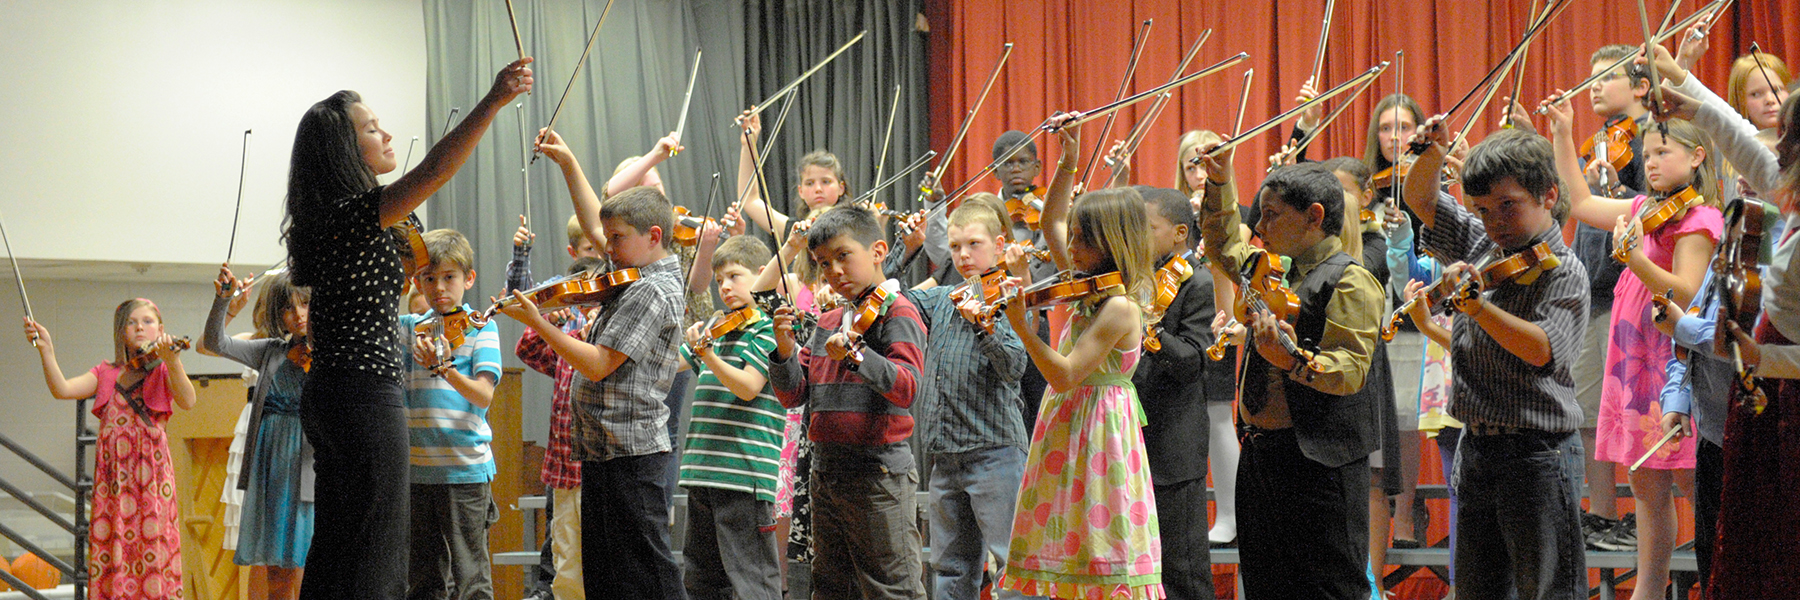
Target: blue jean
1519, 517
973, 495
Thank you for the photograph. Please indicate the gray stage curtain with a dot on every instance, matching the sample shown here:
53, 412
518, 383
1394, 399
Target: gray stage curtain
629, 94
844, 108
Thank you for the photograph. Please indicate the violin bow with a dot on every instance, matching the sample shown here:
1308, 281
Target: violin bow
789, 88
687, 100
1332, 116
1486, 80
1138, 43
1243, 101
518, 42
1357, 82
1142, 127
1717, 7
1506, 68
1015, 148
1654, 98
525, 160
762, 186
759, 157
1756, 55
1399, 84
687, 269
1518, 75
551, 126
1324, 39
917, 164
407, 166
969, 119
447, 121
888, 138
18, 278
243, 163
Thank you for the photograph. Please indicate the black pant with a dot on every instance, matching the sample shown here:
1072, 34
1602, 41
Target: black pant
1294, 511
357, 425
1709, 483
1186, 553
625, 529
540, 575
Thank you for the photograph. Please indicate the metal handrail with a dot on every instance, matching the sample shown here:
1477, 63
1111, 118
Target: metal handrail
81, 484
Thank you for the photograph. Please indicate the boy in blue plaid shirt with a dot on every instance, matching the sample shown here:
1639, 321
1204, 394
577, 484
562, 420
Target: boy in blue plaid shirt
448, 390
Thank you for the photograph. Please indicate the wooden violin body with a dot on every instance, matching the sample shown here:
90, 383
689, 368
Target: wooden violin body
724, 323
1615, 140
300, 353
408, 235
1066, 287
1027, 209
581, 290
1434, 296
1261, 289
992, 288
145, 355
1522, 267
1655, 215
688, 226
1169, 278
1737, 280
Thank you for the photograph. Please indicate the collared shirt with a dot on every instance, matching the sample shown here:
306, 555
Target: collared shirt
624, 414
1352, 316
561, 470
732, 443
1495, 386
969, 395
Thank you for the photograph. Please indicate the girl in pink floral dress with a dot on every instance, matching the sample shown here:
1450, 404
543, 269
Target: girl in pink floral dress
134, 544
1085, 526
1672, 258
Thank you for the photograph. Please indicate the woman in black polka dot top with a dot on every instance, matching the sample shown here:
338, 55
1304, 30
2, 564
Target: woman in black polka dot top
353, 406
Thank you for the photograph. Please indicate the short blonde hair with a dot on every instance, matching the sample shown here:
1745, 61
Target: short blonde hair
449, 246
979, 211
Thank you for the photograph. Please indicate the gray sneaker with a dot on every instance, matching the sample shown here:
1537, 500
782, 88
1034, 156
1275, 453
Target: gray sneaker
1623, 537
1594, 528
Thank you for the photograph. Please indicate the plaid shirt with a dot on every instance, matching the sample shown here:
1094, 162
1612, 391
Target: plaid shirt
624, 414
561, 470
1502, 388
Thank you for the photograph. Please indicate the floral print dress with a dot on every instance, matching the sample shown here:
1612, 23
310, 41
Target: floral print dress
134, 545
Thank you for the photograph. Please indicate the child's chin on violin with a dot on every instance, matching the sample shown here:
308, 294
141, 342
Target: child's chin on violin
443, 285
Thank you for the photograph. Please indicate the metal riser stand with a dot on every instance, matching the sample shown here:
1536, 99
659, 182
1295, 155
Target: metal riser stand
81, 484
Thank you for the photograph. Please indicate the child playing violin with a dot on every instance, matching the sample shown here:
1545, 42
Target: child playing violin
1308, 422
974, 433
819, 184
1087, 457
1666, 243
449, 386
856, 373
277, 517
1514, 345
623, 370
730, 463
134, 536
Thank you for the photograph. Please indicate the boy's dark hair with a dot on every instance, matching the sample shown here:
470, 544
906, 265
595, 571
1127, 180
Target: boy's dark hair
1172, 205
1610, 54
1354, 167
585, 264
854, 221
642, 207
743, 250
1522, 157
1303, 185
449, 246
1012, 138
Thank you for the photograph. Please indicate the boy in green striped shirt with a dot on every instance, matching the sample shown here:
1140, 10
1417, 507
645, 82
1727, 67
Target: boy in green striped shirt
733, 452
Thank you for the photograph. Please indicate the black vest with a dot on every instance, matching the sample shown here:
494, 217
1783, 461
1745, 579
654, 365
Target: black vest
1332, 430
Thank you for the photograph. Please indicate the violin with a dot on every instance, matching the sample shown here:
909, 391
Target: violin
452, 327
688, 226
1435, 295
145, 356
725, 323
1387, 178
1261, 289
580, 290
1654, 216
1523, 267
1614, 141
1065, 287
992, 288
411, 241
858, 318
300, 353
1738, 283
1169, 278
1027, 209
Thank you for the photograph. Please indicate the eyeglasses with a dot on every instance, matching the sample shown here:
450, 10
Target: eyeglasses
1018, 164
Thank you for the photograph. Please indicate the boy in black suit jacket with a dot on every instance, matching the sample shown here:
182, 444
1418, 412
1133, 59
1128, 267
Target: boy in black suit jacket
1175, 401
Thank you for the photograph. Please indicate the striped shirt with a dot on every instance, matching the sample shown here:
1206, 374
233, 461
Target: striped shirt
450, 435
734, 444
1495, 386
969, 396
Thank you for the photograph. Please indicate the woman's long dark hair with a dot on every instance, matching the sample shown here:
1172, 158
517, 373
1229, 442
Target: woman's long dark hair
326, 165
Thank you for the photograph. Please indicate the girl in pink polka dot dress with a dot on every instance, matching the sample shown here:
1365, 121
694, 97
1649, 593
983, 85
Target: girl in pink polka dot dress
134, 546
1086, 520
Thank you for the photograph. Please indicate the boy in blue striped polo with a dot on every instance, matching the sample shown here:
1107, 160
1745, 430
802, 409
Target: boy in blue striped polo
733, 451
447, 395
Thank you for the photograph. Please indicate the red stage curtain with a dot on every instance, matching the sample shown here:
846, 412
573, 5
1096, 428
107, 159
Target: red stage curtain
1071, 55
